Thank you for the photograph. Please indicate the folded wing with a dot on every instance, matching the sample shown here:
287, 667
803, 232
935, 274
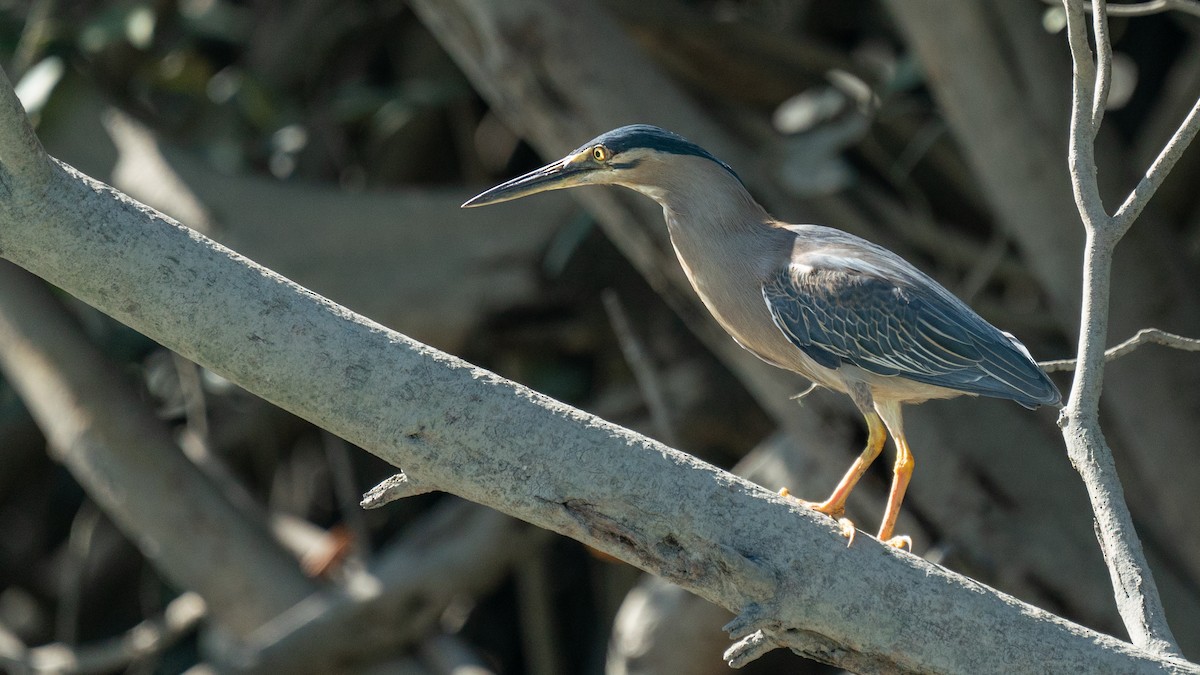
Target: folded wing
899, 325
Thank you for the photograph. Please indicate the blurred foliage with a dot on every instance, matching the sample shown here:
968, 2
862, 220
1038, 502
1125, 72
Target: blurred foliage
358, 94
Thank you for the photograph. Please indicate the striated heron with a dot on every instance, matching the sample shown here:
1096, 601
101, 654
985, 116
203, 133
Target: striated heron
844, 313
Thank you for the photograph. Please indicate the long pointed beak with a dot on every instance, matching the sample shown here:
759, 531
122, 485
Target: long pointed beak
564, 173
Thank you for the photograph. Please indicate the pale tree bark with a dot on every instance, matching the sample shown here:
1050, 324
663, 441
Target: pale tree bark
785, 569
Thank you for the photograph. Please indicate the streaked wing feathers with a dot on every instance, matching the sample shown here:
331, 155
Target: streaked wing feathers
908, 327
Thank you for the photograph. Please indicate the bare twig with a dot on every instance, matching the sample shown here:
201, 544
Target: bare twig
1103, 68
191, 390
80, 543
346, 491
984, 268
1136, 594
1146, 336
1158, 171
36, 34
456, 549
149, 637
24, 158
644, 371
196, 442
1145, 8
394, 488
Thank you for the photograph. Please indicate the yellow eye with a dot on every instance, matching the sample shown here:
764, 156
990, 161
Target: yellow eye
600, 153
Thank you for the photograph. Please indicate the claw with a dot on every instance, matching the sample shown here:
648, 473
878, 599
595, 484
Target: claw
847, 527
900, 542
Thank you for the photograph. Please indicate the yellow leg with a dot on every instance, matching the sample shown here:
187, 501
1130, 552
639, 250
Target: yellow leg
901, 473
835, 506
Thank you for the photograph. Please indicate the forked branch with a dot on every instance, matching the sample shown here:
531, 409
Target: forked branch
1136, 594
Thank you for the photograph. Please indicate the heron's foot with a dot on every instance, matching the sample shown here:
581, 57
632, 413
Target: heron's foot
835, 511
900, 542
828, 507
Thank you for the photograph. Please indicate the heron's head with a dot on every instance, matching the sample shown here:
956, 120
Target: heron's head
640, 156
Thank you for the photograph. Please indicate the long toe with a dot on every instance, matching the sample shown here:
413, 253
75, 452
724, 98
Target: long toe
828, 508
834, 511
901, 542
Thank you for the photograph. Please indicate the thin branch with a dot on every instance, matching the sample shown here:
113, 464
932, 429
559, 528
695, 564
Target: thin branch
643, 370
539, 616
454, 550
1157, 173
346, 491
1103, 65
1146, 336
394, 488
35, 36
150, 637
1081, 156
21, 154
80, 544
196, 442
1147, 8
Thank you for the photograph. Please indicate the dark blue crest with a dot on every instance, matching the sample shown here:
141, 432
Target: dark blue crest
651, 137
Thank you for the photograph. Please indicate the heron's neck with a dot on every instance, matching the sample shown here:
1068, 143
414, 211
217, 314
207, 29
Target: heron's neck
718, 231
706, 202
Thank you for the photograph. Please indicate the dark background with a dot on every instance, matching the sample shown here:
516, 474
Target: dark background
333, 142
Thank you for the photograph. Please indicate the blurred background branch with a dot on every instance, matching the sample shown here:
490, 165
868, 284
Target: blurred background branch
500, 444
311, 135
